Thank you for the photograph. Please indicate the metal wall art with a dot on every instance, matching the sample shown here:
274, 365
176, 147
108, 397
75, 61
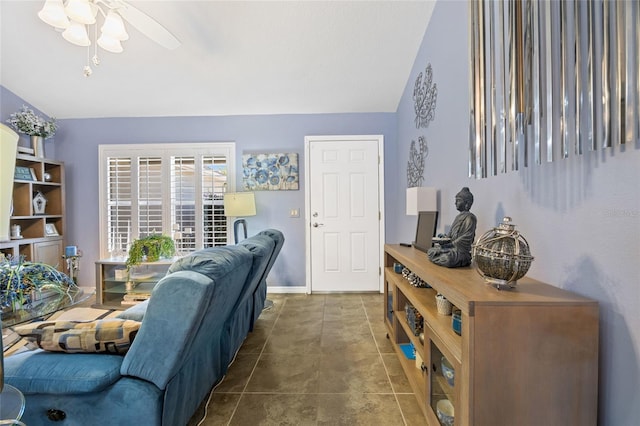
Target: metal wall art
425, 94
550, 79
272, 172
415, 165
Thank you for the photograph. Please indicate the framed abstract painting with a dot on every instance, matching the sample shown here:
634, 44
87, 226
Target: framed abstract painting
270, 172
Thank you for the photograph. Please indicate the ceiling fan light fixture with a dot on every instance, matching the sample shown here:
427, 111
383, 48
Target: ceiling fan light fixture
110, 44
76, 33
53, 14
81, 11
114, 26
74, 16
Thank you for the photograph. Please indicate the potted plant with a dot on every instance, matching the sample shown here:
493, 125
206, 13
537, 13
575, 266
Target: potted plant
21, 282
26, 121
150, 249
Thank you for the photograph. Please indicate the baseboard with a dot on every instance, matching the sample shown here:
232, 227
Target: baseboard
287, 289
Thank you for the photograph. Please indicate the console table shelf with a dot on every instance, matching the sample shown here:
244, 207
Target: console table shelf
113, 291
526, 356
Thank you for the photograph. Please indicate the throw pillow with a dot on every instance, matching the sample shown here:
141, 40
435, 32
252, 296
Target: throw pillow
111, 335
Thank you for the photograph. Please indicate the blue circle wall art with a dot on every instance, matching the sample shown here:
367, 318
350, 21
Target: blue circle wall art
270, 172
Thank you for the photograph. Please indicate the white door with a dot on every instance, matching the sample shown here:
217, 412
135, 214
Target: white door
344, 213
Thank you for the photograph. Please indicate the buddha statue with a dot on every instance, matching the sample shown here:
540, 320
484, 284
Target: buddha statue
454, 249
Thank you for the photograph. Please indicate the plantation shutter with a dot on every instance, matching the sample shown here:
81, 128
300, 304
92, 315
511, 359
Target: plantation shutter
170, 189
183, 198
118, 203
214, 185
150, 197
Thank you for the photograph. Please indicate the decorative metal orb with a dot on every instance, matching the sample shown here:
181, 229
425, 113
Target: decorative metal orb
502, 256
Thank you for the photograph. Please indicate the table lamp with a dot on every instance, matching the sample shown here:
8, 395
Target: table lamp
421, 199
239, 204
8, 149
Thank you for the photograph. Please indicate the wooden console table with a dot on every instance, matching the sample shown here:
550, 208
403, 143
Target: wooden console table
527, 356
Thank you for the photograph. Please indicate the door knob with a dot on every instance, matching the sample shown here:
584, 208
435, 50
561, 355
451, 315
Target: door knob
316, 224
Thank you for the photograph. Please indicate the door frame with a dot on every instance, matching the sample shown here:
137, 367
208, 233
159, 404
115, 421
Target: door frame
307, 199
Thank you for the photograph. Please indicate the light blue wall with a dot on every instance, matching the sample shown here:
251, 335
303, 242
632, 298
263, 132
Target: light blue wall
580, 215
76, 143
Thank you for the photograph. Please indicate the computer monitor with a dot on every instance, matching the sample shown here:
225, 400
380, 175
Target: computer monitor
425, 230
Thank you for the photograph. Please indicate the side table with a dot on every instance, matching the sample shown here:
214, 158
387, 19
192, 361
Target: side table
44, 307
11, 399
117, 288
11, 406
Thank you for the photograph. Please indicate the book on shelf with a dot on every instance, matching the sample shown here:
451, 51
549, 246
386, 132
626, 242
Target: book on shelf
25, 150
136, 297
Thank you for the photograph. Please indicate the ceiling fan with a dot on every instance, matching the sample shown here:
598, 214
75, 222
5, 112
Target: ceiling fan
143, 23
74, 16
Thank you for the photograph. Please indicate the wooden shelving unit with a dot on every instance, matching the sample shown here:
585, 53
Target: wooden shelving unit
37, 244
527, 356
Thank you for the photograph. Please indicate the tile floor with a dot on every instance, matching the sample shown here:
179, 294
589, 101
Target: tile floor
315, 360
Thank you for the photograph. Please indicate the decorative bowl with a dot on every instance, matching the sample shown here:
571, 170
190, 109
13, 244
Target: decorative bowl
447, 371
445, 412
502, 255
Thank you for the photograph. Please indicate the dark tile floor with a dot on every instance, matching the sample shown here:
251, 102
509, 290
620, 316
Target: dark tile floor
315, 360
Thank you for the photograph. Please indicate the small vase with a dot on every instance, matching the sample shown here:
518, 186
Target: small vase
37, 143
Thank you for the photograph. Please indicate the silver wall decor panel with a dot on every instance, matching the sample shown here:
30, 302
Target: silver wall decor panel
547, 56
631, 71
472, 91
535, 78
551, 79
492, 106
615, 71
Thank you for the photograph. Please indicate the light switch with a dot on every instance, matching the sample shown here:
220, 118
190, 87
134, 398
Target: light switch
294, 213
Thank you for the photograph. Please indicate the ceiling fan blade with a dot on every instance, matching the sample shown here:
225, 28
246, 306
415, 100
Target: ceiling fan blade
148, 26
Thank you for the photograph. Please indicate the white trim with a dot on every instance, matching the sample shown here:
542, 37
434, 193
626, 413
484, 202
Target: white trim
286, 289
307, 200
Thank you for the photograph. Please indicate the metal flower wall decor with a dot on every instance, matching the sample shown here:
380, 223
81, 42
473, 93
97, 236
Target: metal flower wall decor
415, 165
271, 172
425, 94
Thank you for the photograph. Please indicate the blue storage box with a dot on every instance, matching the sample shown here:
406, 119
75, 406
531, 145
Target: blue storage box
409, 350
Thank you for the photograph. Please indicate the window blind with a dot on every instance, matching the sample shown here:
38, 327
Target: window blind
170, 189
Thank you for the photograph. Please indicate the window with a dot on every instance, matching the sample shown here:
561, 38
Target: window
171, 189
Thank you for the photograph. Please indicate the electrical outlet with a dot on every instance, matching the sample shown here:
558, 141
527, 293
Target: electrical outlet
294, 213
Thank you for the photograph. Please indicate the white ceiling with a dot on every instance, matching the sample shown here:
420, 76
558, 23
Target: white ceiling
236, 58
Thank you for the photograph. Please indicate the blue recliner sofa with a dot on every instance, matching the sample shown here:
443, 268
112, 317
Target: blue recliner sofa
190, 329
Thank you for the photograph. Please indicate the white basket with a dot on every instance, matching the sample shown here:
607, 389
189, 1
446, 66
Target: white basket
443, 305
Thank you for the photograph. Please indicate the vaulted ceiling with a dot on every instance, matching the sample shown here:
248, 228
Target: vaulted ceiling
235, 58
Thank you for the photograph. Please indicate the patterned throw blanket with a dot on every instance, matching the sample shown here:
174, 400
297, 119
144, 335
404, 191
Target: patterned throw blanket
13, 343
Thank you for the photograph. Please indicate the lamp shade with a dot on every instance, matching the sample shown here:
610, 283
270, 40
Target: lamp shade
8, 149
81, 11
421, 199
110, 44
114, 27
53, 14
239, 204
76, 33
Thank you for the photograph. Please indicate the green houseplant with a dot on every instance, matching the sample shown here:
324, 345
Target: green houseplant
150, 249
21, 281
